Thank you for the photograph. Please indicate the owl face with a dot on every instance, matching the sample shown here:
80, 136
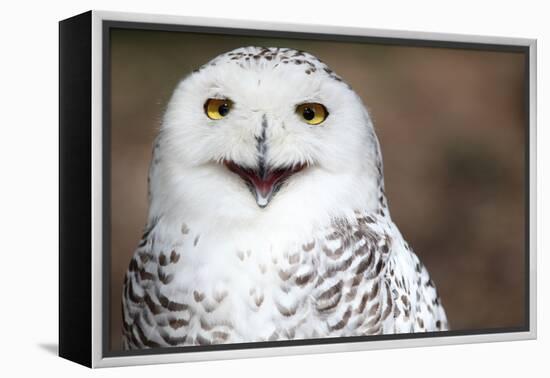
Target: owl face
264, 128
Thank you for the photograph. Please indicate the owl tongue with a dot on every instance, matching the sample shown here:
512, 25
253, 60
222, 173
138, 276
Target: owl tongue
267, 184
263, 183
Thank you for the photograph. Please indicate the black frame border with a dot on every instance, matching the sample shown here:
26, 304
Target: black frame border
108, 25
75, 188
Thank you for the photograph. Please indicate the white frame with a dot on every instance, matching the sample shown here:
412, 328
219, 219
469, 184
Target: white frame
97, 331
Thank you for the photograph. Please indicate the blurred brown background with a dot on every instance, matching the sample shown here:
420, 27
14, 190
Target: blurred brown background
451, 125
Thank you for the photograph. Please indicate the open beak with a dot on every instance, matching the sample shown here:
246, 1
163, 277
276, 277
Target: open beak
263, 182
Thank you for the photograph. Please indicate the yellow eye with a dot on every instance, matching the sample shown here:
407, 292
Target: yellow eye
217, 108
312, 113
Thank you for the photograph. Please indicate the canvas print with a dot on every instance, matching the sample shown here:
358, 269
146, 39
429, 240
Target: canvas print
304, 189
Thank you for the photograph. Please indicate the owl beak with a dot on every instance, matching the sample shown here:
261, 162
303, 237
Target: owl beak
263, 182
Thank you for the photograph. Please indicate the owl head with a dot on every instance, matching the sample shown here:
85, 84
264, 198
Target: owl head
264, 134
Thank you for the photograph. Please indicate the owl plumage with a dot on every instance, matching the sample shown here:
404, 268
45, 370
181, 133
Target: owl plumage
263, 226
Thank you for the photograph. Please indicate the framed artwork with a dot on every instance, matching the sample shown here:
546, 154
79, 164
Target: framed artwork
232, 189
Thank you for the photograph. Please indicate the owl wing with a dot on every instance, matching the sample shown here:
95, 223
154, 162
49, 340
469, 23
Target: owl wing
150, 319
417, 306
429, 312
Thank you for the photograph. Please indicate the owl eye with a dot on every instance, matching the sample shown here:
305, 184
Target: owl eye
312, 113
217, 108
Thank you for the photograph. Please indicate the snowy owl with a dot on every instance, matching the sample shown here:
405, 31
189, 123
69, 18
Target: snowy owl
267, 215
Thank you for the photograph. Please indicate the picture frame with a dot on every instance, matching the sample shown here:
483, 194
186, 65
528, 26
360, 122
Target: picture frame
85, 251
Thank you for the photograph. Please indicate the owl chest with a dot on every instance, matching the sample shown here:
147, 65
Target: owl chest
204, 289
268, 294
